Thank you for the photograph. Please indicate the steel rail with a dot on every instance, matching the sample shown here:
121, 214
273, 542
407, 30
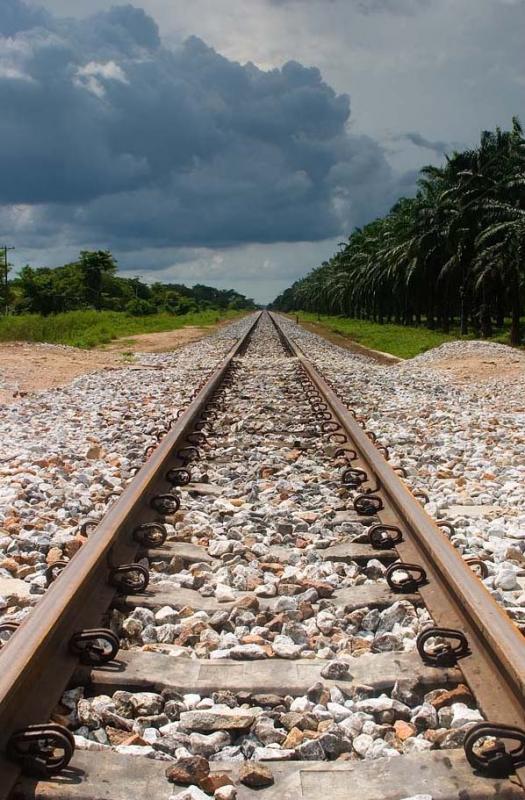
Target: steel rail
37, 663
454, 596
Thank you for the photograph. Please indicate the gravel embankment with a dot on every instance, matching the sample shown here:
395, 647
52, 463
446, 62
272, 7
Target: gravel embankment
65, 453
462, 444
267, 505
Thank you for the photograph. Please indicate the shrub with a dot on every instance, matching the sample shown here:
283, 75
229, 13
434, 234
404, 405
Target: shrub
139, 308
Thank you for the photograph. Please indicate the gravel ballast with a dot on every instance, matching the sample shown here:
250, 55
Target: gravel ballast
464, 445
66, 453
264, 505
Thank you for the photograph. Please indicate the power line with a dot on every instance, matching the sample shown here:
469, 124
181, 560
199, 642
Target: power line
5, 248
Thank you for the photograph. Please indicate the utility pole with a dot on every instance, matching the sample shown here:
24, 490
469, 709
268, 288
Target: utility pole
5, 277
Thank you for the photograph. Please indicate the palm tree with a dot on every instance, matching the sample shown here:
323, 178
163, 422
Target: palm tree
456, 248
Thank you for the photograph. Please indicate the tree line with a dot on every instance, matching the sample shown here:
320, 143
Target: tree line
453, 255
92, 282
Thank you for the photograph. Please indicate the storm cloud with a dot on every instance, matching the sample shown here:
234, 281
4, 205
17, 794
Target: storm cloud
16, 17
368, 6
440, 148
109, 135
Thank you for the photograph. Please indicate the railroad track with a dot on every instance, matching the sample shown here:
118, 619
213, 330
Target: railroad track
275, 647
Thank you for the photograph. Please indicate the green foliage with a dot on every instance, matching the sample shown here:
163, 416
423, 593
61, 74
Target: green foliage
5, 289
92, 282
90, 328
454, 254
140, 308
92, 267
398, 340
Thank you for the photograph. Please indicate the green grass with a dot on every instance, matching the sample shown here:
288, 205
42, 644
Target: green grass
398, 340
91, 328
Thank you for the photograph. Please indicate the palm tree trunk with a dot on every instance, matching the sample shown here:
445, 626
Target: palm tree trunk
484, 312
431, 304
515, 333
474, 321
463, 313
500, 309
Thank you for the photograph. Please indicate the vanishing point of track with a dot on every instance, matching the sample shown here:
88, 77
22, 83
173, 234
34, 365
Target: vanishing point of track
61, 643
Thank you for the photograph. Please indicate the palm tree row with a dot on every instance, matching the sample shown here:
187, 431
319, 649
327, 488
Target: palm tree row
451, 255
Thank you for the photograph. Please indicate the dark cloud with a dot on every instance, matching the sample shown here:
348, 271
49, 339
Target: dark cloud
367, 6
16, 17
391, 6
440, 148
109, 136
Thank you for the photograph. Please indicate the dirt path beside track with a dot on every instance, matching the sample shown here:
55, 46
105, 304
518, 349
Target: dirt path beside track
31, 367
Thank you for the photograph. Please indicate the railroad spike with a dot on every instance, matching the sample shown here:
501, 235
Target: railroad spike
401, 471
443, 523
473, 562
129, 578
178, 476
55, 569
41, 750
7, 627
94, 646
495, 760
419, 493
187, 454
414, 577
445, 654
352, 478
368, 504
150, 534
87, 523
347, 453
384, 450
165, 504
380, 536
197, 437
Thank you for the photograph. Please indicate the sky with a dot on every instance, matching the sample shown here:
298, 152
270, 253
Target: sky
236, 142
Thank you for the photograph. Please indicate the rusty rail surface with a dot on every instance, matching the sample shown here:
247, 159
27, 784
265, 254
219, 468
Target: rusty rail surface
38, 662
488, 647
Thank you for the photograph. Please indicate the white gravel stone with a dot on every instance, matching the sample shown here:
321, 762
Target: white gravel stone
166, 614
362, 744
146, 703
228, 792
418, 797
140, 750
206, 745
81, 743
217, 719
416, 745
190, 793
224, 594
284, 647
463, 715
272, 754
